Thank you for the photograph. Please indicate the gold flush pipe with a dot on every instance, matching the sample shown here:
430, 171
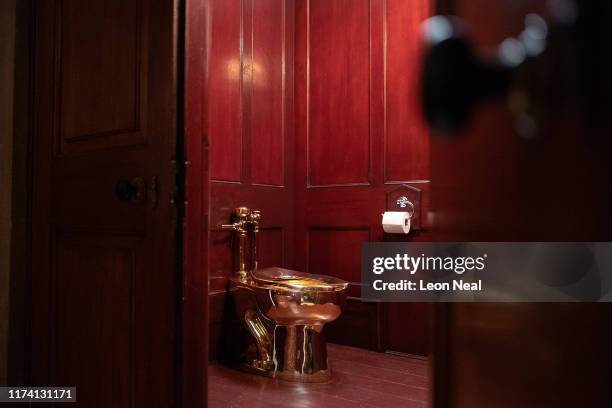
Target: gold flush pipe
243, 215
254, 219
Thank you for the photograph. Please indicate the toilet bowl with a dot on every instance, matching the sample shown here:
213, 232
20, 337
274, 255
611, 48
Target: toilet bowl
284, 312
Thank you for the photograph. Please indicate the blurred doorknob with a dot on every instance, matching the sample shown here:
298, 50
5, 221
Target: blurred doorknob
454, 77
565, 51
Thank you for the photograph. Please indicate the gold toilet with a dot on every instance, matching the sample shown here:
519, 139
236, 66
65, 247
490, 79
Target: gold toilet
284, 311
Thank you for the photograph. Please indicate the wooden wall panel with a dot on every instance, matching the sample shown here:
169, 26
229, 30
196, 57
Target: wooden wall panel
359, 326
408, 327
406, 135
271, 247
225, 90
220, 257
338, 114
332, 251
268, 88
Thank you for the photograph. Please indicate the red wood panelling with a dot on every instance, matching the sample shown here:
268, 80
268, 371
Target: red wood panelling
406, 136
220, 254
338, 61
335, 252
360, 325
268, 90
263, 182
225, 90
271, 247
402, 334
356, 80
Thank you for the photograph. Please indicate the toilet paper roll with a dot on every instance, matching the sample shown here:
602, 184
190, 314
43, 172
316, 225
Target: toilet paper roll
396, 222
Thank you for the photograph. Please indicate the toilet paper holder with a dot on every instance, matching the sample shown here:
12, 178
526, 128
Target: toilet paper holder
406, 198
405, 206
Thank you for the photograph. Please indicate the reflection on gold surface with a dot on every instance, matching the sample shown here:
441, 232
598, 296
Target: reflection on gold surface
307, 284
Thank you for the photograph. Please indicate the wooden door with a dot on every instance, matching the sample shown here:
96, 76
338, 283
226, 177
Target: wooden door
250, 128
491, 184
103, 284
360, 139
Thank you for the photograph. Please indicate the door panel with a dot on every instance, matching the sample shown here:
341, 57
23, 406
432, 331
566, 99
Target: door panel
99, 274
104, 295
99, 97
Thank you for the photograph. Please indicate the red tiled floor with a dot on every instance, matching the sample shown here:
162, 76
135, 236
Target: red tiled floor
361, 378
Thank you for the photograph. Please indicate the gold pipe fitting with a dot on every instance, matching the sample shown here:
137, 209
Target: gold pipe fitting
240, 225
254, 219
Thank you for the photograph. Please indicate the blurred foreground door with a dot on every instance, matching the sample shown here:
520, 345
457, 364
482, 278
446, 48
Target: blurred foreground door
104, 295
543, 176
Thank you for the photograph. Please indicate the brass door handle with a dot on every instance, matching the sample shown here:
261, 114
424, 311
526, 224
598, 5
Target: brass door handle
137, 191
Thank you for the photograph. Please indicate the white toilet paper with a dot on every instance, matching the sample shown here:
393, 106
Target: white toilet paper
396, 222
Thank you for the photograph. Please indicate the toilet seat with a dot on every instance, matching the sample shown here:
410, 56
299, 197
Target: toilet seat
295, 280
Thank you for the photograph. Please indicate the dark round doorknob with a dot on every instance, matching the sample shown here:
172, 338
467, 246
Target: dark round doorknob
555, 64
130, 190
454, 77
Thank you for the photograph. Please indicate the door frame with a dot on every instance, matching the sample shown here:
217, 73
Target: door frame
21, 184
192, 156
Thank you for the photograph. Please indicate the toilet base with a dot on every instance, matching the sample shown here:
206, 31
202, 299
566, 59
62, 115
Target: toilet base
299, 354
284, 313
